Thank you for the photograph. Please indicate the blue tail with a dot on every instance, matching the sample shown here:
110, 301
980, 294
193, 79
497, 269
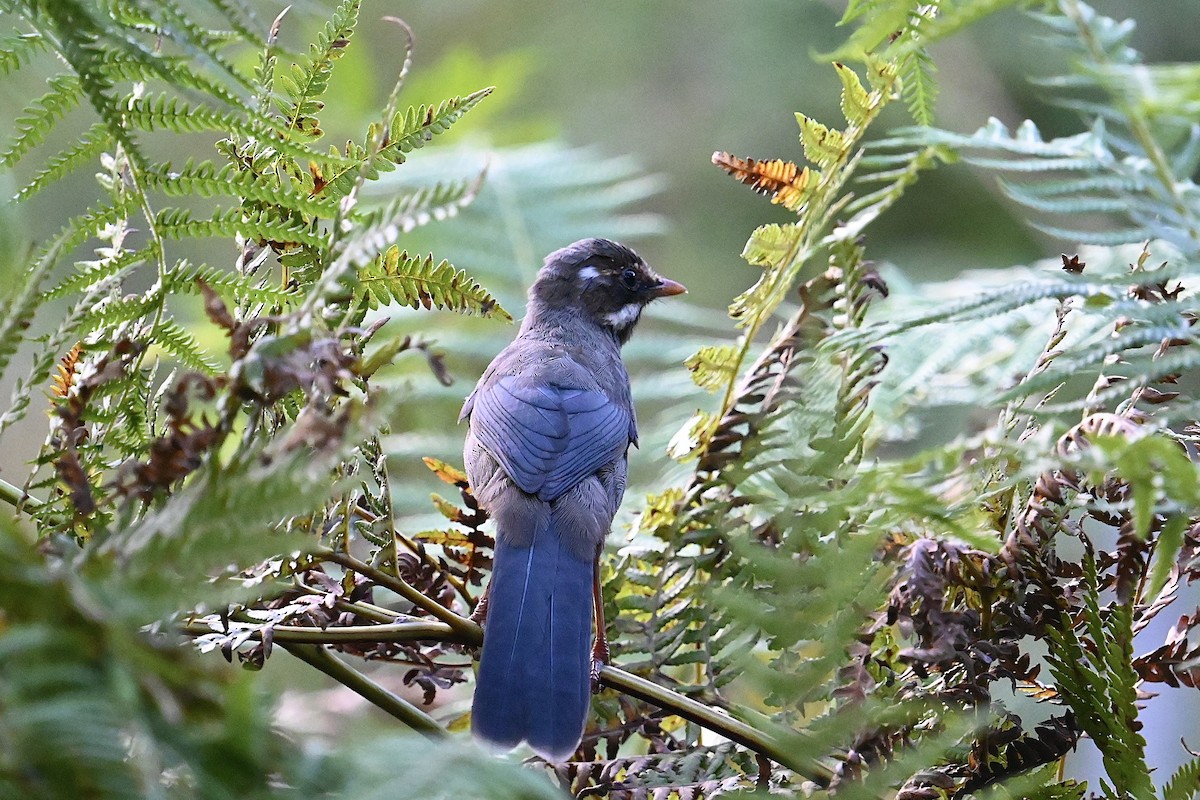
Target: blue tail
534, 672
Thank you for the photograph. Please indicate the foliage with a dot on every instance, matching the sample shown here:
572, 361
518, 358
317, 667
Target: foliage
849, 621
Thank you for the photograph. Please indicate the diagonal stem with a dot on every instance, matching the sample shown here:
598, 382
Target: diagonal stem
325, 661
392, 632
709, 718
16, 497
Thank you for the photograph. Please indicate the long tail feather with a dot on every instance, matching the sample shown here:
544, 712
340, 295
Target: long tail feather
534, 672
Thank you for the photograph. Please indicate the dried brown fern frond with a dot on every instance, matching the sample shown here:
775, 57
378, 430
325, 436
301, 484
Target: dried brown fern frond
64, 376
785, 183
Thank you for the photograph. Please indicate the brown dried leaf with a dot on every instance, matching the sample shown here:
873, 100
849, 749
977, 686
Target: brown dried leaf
64, 377
785, 183
215, 309
446, 472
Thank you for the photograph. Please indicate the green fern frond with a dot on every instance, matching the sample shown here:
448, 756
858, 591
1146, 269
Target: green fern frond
90, 273
1126, 343
1120, 171
184, 277
180, 343
50, 351
409, 130
76, 31
22, 307
953, 17
112, 312
38, 118
712, 366
1084, 184
878, 21
1105, 238
773, 247
1111, 36
1137, 374
309, 80
858, 105
866, 207
1003, 299
1092, 670
1076, 200
860, 8
397, 277
919, 87
378, 228
823, 146
204, 46
1185, 783
209, 180
87, 149
268, 64
414, 128
240, 17
167, 113
19, 50
263, 225
1083, 149
177, 72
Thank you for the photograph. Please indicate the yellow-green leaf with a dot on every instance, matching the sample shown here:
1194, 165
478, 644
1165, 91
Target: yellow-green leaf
713, 367
446, 472
397, 277
770, 245
856, 102
691, 437
822, 146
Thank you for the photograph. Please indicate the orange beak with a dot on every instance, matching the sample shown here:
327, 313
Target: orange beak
667, 288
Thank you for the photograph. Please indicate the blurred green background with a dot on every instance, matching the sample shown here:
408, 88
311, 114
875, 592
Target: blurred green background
660, 85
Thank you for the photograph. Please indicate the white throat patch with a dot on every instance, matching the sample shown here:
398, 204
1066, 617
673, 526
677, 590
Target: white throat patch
624, 317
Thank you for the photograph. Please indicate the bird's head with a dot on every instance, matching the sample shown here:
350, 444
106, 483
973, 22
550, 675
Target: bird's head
603, 280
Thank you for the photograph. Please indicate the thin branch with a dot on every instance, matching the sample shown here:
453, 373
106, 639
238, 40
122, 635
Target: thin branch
713, 720
325, 661
17, 498
360, 634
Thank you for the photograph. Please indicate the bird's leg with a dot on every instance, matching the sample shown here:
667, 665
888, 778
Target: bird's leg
479, 615
600, 645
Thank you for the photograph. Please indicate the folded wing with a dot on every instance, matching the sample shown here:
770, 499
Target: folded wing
548, 438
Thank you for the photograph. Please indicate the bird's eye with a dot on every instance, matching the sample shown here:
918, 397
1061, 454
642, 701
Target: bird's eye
630, 278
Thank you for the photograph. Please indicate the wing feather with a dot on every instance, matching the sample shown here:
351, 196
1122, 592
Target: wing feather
547, 438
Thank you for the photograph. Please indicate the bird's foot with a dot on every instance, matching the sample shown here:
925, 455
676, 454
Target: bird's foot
599, 659
597, 665
479, 615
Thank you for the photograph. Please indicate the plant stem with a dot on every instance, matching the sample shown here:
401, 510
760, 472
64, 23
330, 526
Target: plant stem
15, 497
345, 634
710, 718
325, 661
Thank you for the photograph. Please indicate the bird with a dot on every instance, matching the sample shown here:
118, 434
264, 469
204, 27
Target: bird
550, 424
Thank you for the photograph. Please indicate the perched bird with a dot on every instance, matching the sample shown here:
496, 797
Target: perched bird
551, 421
